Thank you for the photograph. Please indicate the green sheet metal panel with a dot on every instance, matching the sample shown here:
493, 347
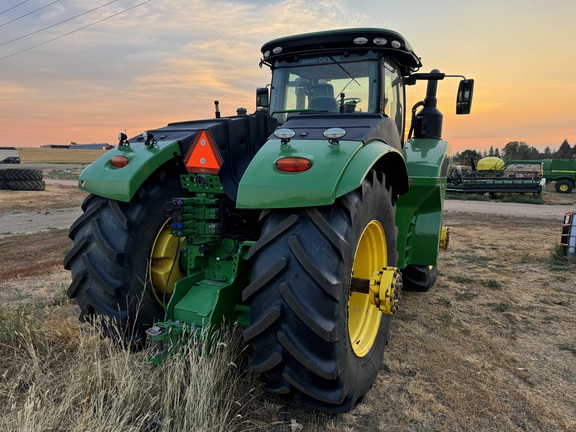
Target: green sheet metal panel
264, 186
101, 178
419, 212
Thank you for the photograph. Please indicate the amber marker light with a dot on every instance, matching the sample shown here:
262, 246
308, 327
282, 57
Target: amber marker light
293, 164
119, 161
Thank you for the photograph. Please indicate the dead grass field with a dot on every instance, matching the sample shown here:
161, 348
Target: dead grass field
54, 197
35, 155
491, 347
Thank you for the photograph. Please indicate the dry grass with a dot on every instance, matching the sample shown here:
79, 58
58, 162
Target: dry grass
60, 377
54, 197
491, 347
32, 249
35, 155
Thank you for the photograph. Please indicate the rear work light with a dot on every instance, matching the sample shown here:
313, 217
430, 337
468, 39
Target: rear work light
293, 164
119, 161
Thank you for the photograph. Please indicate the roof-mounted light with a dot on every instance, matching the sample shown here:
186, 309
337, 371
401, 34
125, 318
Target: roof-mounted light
266, 53
360, 41
380, 41
277, 50
334, 134
396, 44
149, 138
123, 139
284, 134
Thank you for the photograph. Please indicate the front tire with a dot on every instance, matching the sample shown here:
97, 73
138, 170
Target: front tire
114, 259
419, 278
564, 186
312, 337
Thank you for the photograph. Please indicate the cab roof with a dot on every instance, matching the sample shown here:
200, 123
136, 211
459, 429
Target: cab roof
338, 41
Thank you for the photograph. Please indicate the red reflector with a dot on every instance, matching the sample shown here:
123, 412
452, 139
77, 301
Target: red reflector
203, 155
119, 161
293, 164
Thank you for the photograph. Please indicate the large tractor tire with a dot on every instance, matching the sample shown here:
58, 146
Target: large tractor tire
312, 337
564, 186
122, 258
25, 185
419, 277
21, 174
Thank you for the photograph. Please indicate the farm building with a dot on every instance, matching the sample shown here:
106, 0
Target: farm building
74, 146
7, 152
94, 146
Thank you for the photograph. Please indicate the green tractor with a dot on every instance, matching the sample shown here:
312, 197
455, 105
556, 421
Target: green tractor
301, 222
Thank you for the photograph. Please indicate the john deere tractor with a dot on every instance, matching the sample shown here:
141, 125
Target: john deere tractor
301, 222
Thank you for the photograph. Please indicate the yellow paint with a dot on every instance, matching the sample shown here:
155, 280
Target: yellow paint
363, 318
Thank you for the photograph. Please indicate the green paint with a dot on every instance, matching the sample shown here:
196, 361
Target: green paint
336, 170
101, 178
387, 159
264, 186
419, 212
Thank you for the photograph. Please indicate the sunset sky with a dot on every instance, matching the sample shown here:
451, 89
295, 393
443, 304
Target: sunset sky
67, 74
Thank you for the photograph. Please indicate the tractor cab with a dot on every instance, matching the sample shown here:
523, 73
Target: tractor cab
353, 71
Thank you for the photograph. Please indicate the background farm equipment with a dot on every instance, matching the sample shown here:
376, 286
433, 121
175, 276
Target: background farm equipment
301, 222
560, 171
493, 175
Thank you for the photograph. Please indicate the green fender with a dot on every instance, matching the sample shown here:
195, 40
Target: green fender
419, 212
336, 170
101, 178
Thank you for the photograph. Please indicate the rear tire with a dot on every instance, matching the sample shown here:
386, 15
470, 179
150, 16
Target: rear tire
419, 277
563, 186
312, 337
110, 259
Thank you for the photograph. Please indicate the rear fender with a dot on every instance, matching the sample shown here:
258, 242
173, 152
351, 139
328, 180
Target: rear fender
336, 170
419, 212
103, 179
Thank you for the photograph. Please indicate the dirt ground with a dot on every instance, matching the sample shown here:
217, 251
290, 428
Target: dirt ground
491, 347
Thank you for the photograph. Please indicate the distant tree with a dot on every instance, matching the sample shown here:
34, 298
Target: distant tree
497, 152
520, 150
491, 151
564, 151
467, 154
547, 153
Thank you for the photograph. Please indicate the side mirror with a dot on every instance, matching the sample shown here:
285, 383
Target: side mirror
464, 96
262, 99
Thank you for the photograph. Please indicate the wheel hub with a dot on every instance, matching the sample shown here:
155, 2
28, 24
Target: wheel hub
385, 288
164, 268
364, 320
444, 238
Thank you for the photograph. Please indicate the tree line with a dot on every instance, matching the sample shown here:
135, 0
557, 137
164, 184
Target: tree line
515, 150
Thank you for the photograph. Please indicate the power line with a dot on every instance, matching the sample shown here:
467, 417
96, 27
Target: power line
75, 31
29, 13
58, 23
9, 9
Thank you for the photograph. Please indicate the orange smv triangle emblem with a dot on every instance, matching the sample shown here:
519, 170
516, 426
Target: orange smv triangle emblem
203, 155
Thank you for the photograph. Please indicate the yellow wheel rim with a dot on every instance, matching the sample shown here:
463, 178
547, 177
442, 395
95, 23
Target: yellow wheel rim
364, 318
164, 268
563, 187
